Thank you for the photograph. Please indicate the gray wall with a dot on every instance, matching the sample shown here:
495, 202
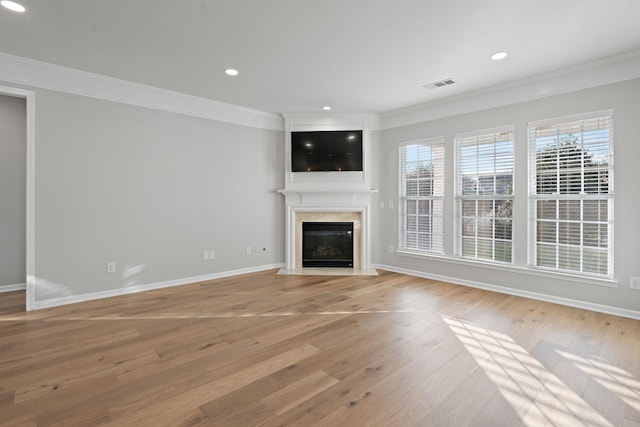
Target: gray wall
151, 191
13, 149
624, 98
375, 163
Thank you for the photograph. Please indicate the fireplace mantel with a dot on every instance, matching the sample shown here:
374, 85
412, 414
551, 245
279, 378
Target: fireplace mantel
326, 204
340, 197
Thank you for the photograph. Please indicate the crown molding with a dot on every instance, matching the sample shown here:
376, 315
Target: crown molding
37, 74
609, 70
370, 120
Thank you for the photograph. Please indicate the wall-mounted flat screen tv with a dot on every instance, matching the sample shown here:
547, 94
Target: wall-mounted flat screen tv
326, 151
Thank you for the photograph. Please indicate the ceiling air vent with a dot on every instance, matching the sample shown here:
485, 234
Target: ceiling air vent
441, 83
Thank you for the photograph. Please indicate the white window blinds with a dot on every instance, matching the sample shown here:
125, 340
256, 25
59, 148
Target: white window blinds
571, 195
421, 196
484, 195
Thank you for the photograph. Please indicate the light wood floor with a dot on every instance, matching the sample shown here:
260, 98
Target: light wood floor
263, 349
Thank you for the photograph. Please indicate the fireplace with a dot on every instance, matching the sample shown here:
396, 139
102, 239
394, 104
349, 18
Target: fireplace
327, 244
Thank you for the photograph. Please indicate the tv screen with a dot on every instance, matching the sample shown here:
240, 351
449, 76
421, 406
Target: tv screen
326, 151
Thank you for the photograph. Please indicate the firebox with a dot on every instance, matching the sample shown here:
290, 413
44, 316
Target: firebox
327, 244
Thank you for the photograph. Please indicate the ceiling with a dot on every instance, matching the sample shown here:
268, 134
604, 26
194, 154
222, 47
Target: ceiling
369, 56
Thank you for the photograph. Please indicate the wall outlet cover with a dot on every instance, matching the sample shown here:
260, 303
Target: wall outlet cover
111, 267
634, 283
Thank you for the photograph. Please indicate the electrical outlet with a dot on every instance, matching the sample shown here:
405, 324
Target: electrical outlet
390, 204
634, 283
390, 249
205, 256
111, 267
212, 255
248, 250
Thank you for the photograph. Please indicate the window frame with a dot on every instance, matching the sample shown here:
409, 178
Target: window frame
431, 142
460, 198
534, 198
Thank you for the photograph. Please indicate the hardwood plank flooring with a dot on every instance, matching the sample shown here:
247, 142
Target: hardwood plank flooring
280, 350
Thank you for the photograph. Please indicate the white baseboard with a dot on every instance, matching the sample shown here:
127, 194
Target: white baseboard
622, 312
11, 288
616, 311
54, 302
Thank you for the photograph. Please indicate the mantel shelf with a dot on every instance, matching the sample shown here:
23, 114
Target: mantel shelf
328, 191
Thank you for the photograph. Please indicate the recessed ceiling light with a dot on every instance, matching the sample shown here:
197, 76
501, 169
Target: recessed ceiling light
13, 6
499, 55
231, 72
326, 108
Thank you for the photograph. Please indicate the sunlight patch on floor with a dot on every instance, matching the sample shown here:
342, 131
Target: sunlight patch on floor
537, 395
613, 378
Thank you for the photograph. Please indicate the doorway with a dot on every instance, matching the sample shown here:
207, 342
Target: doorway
16, 192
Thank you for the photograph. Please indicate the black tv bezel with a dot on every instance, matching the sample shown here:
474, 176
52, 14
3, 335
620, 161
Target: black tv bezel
330, 142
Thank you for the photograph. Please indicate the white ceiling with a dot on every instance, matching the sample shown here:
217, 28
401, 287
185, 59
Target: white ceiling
298, 55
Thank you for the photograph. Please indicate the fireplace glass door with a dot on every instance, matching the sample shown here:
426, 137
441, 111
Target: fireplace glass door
327, 244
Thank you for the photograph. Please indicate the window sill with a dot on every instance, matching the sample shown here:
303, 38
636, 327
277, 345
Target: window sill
586, 280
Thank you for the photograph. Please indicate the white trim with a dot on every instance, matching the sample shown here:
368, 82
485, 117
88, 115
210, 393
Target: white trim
402, 197
428, 140
607, 309
323, 122
459, 197
533, 197
24, 71
481, 132
11, 288
30, 98
290, 230
552, 121
31, 200
598, 73
54, 302
331, 121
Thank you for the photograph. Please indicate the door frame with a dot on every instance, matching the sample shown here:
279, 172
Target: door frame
30, 97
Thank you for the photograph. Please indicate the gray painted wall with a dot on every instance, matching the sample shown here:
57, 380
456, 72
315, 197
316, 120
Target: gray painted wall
151, 191
624, 98
13, 149
375, 162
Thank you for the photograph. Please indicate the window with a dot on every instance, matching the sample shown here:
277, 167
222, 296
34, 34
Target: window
484, 194
421, 196
571, 194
